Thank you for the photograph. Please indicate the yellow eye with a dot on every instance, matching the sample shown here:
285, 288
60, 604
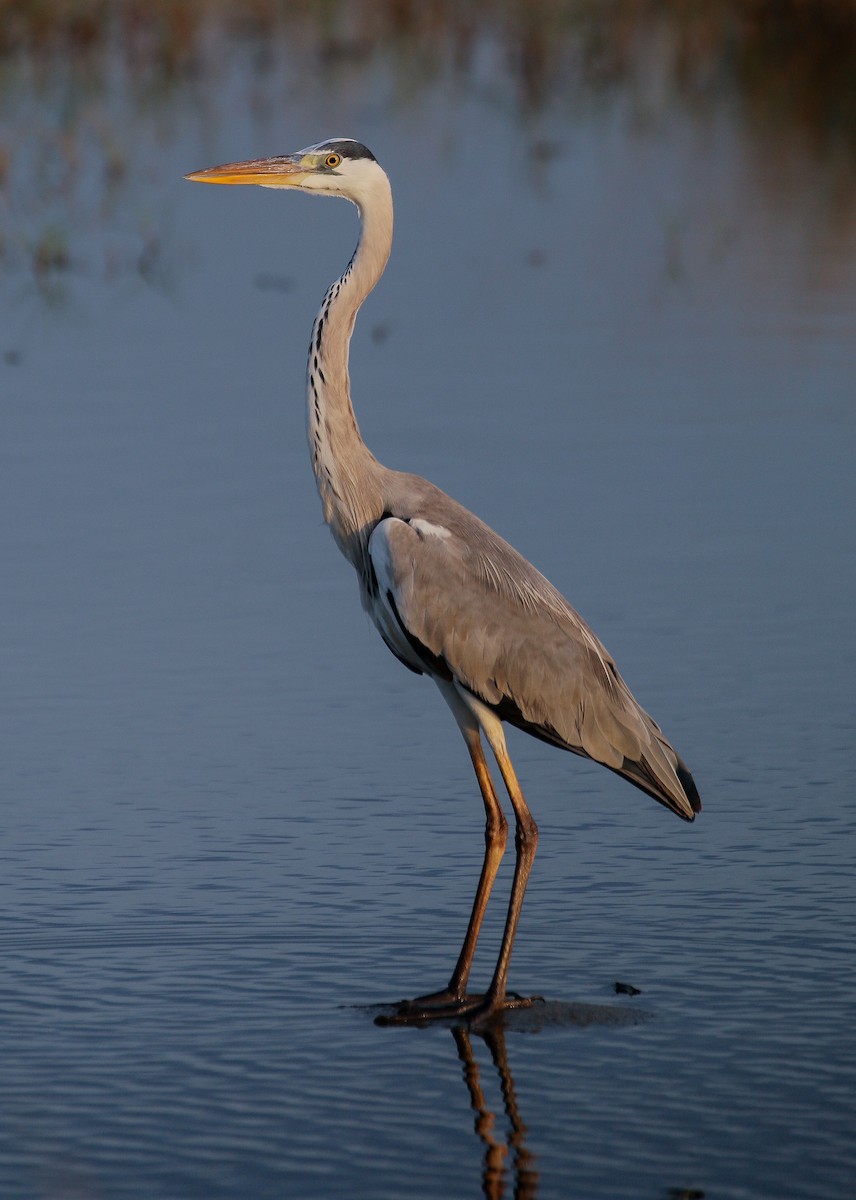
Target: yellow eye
332, 160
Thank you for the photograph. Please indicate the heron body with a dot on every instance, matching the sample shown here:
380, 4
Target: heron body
450, 598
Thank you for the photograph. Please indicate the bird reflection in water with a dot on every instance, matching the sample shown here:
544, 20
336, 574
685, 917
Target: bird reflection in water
497, 1152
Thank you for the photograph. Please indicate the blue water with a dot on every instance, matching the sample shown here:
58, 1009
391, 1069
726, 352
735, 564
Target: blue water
233, 826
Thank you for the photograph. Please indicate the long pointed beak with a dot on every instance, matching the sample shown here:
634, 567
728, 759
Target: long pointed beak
285, 171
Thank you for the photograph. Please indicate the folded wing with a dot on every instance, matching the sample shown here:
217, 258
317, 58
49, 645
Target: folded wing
470, 608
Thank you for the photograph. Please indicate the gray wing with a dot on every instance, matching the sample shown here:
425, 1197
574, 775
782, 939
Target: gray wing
454, 600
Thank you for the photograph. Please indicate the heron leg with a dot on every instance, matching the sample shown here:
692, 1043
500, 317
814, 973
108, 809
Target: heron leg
496, 838
453, 1002
525, 843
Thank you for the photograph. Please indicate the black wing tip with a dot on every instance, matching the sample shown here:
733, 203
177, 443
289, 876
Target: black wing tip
690, 790
684, 804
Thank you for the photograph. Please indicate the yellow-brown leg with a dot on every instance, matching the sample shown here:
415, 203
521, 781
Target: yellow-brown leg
525, 842
496, 838
454, 1001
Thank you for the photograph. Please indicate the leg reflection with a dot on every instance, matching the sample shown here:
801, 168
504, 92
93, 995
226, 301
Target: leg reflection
497, 1151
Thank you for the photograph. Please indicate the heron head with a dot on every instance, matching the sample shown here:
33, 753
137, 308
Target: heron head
338, 167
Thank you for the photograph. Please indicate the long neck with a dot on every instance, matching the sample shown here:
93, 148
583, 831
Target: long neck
348, 475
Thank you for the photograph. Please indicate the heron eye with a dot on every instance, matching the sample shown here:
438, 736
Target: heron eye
332, 160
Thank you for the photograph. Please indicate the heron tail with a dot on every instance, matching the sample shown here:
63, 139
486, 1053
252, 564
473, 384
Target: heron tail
674, 787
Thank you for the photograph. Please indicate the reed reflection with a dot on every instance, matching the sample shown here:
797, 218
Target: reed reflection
502, 1156
97, 89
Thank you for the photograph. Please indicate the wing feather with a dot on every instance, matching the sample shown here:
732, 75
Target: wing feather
471, 606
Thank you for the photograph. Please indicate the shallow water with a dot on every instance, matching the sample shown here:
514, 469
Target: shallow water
233, 826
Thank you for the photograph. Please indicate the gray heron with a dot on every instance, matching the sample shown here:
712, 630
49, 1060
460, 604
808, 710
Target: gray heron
450, 598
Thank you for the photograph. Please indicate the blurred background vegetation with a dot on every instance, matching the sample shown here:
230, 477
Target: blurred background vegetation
92, 90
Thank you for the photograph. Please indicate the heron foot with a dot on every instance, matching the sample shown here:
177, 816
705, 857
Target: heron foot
474, 1011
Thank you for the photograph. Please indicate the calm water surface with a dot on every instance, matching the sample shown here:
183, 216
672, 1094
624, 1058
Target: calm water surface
232, 824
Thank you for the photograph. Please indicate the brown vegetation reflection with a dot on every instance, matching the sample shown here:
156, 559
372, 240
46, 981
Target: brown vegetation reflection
76, 76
